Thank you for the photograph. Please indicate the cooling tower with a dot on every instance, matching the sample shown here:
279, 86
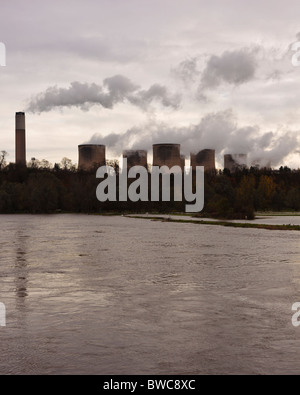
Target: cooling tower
262, 164
136, 158
167, 155
206, 158
182, 161
20, 139
235, 162
91, 155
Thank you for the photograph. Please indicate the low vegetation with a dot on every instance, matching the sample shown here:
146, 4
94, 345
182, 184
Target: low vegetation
222, 223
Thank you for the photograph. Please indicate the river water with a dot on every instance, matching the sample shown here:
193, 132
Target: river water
117, 295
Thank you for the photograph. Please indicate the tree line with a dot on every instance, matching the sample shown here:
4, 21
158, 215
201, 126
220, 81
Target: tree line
42, 188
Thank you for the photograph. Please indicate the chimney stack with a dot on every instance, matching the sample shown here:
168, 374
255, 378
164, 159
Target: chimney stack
20, 139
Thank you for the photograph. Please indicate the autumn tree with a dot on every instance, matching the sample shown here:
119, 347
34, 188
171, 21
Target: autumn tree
265, 192
245, 194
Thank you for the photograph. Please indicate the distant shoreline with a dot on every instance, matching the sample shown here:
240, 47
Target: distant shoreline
166, 217
221, 223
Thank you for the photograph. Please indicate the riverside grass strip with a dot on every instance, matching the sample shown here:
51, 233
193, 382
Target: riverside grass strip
222, 223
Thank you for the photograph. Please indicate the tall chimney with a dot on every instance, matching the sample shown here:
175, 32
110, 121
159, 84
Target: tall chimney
20, 139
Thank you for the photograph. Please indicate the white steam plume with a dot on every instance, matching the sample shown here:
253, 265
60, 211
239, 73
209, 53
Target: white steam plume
114, 90
218, 131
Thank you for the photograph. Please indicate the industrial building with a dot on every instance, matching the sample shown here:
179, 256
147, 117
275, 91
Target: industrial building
167, 155
20, 139
235, 162
91, 155
206, 158
136, 158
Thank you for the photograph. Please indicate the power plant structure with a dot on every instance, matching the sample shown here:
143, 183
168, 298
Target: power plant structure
136, 158
20, 139
91, 155
265, 165
206, 158
167, 155
235, 162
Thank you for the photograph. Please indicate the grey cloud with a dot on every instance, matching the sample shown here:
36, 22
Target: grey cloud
187, 71
108, 49
275, 75
114, 90
232, 67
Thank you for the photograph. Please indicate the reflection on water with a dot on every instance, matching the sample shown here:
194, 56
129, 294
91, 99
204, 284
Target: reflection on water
114, 295
21, 271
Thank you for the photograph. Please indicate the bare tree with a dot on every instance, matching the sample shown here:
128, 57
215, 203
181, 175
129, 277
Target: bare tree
44, 164
3, 156
67, 164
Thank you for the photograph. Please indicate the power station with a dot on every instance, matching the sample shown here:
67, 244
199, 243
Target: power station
91, 155
166, 154
206, 158
235, 162
136, 158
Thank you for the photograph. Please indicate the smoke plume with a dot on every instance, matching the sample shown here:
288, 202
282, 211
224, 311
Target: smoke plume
219, 131
114, 90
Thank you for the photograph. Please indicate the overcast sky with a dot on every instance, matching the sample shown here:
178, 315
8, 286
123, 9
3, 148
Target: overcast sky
129, 73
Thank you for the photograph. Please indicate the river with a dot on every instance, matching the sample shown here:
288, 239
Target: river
117, 295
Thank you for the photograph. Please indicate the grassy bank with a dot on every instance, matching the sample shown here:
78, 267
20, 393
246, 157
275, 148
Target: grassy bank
277, 214
222, 223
